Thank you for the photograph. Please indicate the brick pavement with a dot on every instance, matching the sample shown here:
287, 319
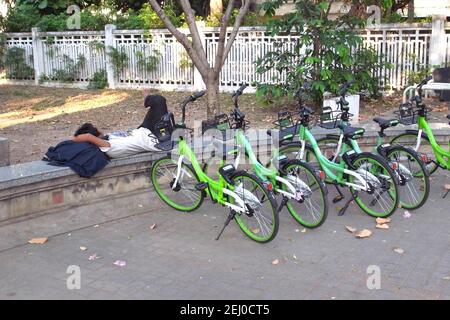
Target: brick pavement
181, 260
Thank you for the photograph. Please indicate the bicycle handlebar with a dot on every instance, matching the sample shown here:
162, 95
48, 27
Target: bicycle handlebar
190, 99
304, 87
240, 91
344, 88
418, 98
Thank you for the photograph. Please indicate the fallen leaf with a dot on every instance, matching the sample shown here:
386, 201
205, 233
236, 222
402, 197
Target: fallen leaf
255, 231
38, 241
350, 229
304, 231
153, 226
363, 234
446, 278
276, 262
297, 230
406, 215
383, 221
94, 257
294, 257
83, 248
447, 187
382, 226
399, 250
120, 263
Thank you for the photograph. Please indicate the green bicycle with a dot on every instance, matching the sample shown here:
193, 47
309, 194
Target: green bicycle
422, 140
372, 182
181, 183
409, 167
302, 190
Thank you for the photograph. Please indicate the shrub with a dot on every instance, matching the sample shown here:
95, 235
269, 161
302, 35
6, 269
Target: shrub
15, 60
22, 18
325, 53
98, 81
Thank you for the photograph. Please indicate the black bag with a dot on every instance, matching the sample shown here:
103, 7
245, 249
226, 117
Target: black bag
163, 132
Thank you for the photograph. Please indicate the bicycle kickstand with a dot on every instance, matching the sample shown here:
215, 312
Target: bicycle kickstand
347, 204
446, 194
339, 197
227, 222
283, 203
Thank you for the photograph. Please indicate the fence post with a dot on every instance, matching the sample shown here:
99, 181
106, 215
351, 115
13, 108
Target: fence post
38, 55
438, 41
109, 42
198, 80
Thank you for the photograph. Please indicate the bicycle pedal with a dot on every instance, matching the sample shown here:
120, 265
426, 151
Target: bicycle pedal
338, 199
202, 186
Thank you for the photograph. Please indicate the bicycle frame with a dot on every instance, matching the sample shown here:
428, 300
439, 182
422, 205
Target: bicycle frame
355, 146
335, 171
439, 152
261, 171
219, 191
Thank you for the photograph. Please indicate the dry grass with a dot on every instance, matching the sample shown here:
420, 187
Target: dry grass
35, 118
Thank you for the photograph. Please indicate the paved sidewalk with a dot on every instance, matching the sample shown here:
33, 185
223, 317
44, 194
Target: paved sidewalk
180, 259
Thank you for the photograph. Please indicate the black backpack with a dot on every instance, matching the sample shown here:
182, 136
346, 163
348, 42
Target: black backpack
163, 131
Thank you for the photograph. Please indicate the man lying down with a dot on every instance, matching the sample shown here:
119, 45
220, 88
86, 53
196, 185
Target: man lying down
122, 144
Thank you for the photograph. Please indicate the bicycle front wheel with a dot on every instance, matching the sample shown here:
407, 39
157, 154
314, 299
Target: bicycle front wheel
182, 194
409, 139
382, 197
311, 208
414, 184
260, 222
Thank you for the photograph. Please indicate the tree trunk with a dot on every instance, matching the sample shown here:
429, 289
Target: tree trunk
212, 95
216, 7
411, 11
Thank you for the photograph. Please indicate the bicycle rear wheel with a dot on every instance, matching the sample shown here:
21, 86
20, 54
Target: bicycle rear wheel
311, 209
260, 222
414, 177
382, 199
183, 196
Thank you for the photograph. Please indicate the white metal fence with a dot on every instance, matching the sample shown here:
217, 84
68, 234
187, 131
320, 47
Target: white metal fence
407, 47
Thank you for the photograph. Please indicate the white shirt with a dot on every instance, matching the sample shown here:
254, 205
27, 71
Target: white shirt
138, 140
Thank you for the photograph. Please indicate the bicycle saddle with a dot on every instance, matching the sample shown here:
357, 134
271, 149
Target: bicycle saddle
306, 111
352, 132
386, 123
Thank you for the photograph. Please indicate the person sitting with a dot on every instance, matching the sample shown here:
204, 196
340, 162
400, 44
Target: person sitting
123, 144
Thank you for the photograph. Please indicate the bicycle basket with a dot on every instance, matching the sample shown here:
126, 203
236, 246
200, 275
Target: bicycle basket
285, 120
406, 114
287, 126
329, 118
220, 122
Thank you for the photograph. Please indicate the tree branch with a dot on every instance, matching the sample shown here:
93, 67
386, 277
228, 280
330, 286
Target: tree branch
200, 63
196, 41
222, 35
239, 19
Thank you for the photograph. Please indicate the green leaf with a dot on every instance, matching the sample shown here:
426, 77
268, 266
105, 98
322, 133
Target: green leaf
43, 4
324, 5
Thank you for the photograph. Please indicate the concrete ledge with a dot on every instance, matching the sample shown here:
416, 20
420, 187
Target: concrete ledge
34, 188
